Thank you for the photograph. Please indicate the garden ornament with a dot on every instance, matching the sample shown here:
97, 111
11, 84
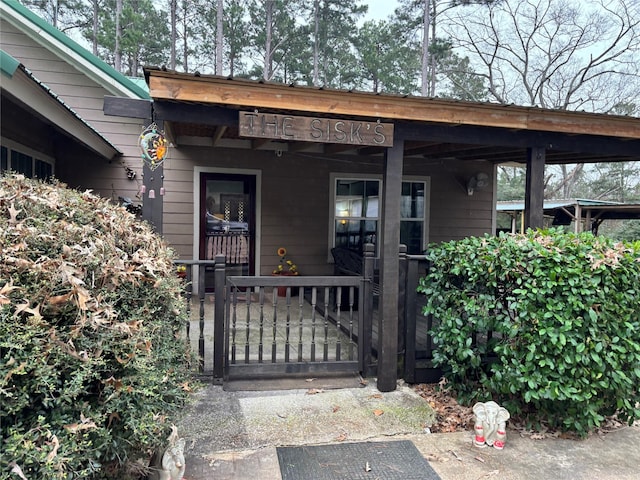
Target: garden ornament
171, 466
490, 425
153, 146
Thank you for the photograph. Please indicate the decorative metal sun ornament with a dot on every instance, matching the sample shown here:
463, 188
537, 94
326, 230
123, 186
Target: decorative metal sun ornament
153, 145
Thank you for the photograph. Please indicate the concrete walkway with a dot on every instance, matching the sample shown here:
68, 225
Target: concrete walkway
233, 435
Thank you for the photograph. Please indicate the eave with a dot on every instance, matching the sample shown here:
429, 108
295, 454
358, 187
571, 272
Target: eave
258, 95
27, 91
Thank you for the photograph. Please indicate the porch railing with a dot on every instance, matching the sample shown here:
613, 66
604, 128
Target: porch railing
223, 346
416, 347
334, 310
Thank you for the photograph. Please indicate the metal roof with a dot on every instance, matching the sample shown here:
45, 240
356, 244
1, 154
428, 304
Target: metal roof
518, 205
199, 108
56, 41
10, 66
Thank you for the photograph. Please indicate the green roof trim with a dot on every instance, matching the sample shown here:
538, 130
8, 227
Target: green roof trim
108, 70
8, 64
140, 82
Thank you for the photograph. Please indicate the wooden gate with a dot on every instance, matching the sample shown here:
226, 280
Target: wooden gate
293, 326
279, 326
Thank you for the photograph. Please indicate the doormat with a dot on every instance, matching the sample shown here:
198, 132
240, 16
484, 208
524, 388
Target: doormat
397, 460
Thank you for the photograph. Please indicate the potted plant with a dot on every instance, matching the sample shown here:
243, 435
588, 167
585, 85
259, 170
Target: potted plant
285, 267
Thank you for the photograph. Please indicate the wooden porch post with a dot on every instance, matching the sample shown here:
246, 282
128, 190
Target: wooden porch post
152, 208
218, 317
534, 190
389, 271
152, 203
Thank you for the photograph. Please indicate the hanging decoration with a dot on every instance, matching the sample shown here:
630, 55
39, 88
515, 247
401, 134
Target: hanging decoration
153, 145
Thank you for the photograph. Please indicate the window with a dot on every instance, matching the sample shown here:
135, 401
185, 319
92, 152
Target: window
4, 158
20, 159
21, 163
412, 216
356, 213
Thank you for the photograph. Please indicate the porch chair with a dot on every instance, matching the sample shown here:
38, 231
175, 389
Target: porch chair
350, 262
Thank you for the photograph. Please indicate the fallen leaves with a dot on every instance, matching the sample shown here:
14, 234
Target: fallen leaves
450, 416
314, 391
4, 291
13, 213
377, 412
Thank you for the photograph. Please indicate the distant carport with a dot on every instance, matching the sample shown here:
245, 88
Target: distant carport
584, 213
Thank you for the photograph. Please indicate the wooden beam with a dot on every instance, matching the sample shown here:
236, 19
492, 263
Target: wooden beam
534, 188
249, 94
258, 143
195, 113
219, 133
390, 269
300, 146
126, 107
553, 141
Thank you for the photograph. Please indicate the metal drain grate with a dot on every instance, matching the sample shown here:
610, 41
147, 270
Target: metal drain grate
398, 460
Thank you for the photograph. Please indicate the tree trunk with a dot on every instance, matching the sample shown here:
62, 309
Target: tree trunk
219, 37
94, 39
118, 52
316, 21
267, 46
432, 58
173, 6
425, 47
185, 46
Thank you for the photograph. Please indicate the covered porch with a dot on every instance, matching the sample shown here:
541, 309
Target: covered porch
319, 166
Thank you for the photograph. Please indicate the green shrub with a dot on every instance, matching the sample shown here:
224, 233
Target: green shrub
564, 312
93, 367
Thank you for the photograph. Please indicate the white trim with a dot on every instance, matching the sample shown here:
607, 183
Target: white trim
19, 147
196, 214
494, 202
427, 204
51, 110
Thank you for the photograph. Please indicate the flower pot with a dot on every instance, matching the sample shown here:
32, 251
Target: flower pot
282, 291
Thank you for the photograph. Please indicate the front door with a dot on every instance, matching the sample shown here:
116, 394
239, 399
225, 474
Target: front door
227, 221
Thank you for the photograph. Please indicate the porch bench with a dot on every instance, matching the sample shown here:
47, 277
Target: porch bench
350, 262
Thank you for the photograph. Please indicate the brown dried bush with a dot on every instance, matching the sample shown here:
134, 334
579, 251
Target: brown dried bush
93, 365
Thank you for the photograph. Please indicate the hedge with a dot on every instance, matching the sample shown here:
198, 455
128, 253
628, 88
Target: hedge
564, 315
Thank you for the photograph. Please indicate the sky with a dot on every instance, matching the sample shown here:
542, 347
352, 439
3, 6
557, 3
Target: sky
380, 9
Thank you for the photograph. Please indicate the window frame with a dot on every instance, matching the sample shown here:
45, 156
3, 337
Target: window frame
21, 149
335, 176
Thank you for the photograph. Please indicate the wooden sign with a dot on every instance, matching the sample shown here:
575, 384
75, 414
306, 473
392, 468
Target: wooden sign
315, 129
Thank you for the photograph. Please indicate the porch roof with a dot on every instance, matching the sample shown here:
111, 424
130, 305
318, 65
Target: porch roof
202, 109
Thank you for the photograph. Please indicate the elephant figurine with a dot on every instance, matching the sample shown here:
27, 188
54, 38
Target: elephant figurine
490, 425
170, 465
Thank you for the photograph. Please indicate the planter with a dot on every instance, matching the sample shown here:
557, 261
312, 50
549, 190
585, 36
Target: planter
282, 291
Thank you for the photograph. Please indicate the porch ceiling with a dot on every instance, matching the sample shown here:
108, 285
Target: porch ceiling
203, 110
